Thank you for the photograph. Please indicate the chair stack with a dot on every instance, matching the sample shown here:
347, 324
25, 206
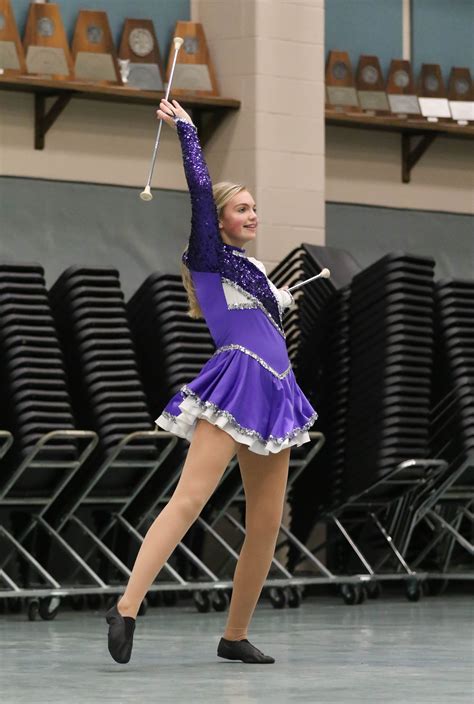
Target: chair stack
171, 347
391, 360
35, 395
90, 313
452, 431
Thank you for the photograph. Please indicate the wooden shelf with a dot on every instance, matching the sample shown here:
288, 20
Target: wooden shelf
416, 134
207, 111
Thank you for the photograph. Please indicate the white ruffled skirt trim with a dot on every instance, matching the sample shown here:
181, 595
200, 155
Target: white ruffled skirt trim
184, 425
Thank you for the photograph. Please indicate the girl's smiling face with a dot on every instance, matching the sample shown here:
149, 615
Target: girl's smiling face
238, 220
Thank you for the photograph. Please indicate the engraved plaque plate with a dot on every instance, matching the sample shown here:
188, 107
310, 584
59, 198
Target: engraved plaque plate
12, 57
46, 60
145, 76
9, 56
192, 77
434, 107
404, 104
95, 67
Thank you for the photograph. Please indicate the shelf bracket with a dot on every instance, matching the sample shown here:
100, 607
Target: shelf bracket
411, 156
44, 120
207, 121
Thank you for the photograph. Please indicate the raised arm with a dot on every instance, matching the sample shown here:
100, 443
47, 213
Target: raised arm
205, 241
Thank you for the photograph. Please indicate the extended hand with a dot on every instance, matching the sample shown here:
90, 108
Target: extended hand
169, 111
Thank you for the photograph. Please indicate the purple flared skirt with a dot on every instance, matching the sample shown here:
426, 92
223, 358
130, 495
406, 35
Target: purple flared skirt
265, 411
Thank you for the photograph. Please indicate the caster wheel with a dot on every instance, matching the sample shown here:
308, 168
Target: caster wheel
33, 609
143, 607
361, 594
170, 598
295, 597
374, 590
278, 597
202, 602
94, 601
220, 601
78, 602
413, 590
49, 607
154, 599
14, 605
349, 594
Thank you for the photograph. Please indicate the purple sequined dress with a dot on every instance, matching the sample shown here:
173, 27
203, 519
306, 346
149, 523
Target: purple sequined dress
247, 387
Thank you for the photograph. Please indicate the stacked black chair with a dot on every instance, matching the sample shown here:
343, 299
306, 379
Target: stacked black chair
90, 313
391, 360
35, 395
171, 347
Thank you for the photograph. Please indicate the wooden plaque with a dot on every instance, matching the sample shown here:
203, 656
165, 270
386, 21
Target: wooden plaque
340, 89
432, 93
45, 42
370, 86
93, 50
194, 72
139, 46
12, 57
461, 95
400, 89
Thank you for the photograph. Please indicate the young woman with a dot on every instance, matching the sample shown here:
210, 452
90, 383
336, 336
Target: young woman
245, 400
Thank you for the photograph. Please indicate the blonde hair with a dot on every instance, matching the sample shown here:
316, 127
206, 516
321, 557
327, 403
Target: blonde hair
222, 193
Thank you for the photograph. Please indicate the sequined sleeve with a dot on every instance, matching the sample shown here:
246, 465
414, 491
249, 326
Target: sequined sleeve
205, 241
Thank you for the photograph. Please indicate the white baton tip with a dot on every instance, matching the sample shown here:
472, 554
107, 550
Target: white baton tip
178, 42
325, 274
146, 194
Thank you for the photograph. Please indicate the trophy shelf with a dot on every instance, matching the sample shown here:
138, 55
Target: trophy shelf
207, 111
416, 135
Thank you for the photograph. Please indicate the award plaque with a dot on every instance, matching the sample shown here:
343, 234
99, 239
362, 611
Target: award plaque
139, 46
94, 55
194, 71
340, 90
370, 86
461, 95
12, 57
400, 89
432, 93
45, 42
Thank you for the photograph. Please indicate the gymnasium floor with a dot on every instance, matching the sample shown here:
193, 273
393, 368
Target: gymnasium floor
383, 652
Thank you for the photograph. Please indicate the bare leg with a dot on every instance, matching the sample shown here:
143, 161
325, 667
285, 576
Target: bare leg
264, 479
210, 452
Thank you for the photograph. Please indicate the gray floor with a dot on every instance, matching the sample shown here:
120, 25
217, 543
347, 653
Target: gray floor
387, 651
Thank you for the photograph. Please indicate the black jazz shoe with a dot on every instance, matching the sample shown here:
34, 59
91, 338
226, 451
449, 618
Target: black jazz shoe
121, 630
242, 650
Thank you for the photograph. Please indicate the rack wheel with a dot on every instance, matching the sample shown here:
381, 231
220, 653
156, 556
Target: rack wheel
278, 597
143, 607
220, 601
78, 602
170, 598
33, 609
349, 593
154, 599
413, 590
374, 590
14, 606
202, 601
295, 597
49, 607
94, 601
